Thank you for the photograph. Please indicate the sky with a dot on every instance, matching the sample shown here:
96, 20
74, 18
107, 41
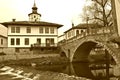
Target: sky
57, 11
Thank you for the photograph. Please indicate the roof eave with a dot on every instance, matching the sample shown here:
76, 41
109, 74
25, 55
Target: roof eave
54, 25
4, 24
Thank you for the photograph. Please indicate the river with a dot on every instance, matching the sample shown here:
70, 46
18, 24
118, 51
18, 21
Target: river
92, 71
81, 69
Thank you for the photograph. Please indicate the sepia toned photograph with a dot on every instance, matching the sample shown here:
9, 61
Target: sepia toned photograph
59, 39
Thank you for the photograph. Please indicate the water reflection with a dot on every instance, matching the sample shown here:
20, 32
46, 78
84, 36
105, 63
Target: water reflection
78, 69
82, 69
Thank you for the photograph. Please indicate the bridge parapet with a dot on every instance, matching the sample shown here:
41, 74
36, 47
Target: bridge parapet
96, 37
104, 32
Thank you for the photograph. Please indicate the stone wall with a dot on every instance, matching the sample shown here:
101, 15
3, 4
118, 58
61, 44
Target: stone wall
26, 53
7, 50
30, 56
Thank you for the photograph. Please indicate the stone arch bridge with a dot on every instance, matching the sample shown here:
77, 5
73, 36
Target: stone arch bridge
79, 47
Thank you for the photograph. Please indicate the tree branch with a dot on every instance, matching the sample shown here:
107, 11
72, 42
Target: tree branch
109, 13
98, 2
98, 18
105, 2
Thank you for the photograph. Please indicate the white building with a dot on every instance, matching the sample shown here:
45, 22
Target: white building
24, 34
80, 30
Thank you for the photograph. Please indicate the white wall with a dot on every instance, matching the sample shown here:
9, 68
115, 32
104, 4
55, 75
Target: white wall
32, 36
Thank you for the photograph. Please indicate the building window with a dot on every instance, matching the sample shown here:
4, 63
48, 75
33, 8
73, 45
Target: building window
12, 29
69, 34
38, 41
52, 41
28, 29
1, 41
49, 41
52, 30
17, 41
82, 31
41, 29
17, 29
46, 29
77, 32
26, 41
12, 41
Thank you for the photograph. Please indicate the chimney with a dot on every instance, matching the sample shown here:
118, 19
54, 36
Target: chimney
13, 20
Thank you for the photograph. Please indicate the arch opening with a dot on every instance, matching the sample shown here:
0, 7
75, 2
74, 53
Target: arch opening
82, 52
86, 52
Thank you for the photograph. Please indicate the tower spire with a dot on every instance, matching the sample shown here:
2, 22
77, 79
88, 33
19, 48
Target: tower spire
34, 8
34, 16
34, 4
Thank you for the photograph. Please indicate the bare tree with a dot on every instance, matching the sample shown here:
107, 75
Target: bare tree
99, 11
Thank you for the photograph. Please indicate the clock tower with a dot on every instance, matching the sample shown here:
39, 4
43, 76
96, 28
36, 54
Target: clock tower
34, 16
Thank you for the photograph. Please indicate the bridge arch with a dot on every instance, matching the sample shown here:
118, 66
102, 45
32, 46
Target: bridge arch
81, 53
83, 50
82, 45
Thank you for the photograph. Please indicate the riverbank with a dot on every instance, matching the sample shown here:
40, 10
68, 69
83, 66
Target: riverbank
37, 61
29, 65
